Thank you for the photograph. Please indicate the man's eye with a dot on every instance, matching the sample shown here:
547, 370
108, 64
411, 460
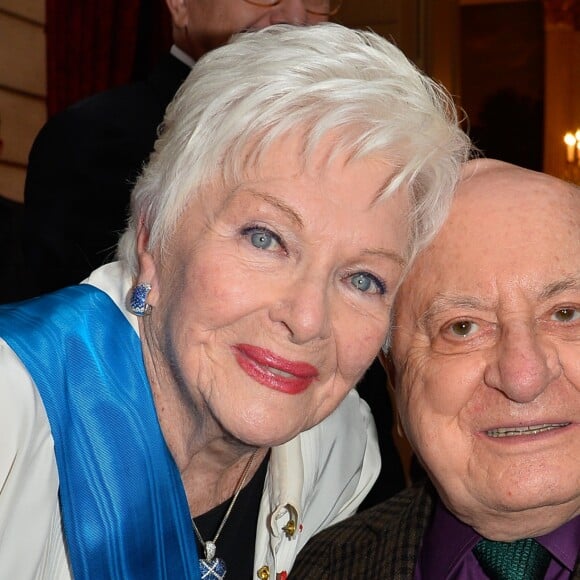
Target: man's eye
463, 328
568, 314
367, 283
263, 239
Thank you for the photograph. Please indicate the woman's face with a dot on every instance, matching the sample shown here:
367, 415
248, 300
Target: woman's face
275, 295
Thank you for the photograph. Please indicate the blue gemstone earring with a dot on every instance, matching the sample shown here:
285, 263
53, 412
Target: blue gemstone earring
138, 299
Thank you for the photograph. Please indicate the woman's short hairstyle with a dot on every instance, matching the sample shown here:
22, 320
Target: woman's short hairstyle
263, 85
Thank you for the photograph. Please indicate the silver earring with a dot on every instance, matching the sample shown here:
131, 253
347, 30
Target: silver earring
138, 300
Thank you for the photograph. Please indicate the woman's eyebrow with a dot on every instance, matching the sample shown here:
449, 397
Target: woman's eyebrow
278, 204
389, 254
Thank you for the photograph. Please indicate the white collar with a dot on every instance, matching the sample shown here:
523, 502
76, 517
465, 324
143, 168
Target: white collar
182, 56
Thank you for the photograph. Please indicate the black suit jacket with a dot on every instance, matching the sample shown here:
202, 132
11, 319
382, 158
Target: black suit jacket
82, 167
382, 543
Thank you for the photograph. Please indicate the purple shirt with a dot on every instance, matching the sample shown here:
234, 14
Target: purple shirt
446, 552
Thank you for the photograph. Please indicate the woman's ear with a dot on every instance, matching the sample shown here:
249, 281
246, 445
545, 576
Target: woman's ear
142, 237
147, 267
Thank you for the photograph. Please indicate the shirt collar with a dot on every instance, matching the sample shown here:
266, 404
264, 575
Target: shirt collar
182, 56
563, 543
448, 539
445, 543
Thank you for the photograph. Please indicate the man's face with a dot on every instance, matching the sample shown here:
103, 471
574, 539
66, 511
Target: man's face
209, 24
487, 353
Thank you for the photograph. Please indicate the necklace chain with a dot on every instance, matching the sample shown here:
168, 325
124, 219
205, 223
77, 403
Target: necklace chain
209, 546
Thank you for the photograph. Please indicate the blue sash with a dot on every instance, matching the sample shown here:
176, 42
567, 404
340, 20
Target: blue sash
123, 505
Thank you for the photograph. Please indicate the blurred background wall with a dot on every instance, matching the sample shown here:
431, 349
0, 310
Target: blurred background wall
514, 66
22, 88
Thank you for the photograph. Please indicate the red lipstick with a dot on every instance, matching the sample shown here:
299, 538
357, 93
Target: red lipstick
273, 371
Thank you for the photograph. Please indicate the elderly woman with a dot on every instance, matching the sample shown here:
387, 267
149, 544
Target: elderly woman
196, 396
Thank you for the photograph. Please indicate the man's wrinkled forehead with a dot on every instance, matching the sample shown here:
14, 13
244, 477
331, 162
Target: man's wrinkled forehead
497, 206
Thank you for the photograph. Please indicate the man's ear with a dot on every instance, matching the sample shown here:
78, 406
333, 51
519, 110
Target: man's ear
178, 11
399, 437
386, 359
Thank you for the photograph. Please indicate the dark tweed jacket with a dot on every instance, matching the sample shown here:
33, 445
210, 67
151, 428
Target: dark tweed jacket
380, 543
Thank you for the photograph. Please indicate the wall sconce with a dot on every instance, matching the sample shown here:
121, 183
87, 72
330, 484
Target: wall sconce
572, 142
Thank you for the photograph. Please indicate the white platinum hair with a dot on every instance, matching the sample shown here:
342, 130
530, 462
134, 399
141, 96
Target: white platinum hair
241, 97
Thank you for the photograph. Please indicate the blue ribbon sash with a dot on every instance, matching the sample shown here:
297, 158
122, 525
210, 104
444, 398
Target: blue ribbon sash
123, 505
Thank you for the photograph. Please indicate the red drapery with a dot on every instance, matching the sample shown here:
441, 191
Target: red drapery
92, 45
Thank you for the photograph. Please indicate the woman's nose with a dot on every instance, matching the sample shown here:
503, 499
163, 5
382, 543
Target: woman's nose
525, 364
304, 310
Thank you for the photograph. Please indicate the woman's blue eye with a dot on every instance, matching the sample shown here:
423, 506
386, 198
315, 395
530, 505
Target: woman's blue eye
367, 283
262, 239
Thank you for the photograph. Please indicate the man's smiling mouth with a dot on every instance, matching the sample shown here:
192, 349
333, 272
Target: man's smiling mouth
527, 430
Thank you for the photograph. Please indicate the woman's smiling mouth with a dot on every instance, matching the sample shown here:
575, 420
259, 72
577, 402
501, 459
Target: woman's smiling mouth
275, 372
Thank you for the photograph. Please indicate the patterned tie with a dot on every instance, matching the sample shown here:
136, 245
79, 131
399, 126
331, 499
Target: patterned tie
521, 560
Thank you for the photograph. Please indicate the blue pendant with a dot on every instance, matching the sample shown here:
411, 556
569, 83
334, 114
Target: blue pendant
214, 569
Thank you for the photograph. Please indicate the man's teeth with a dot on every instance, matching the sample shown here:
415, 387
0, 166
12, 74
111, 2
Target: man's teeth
528, 430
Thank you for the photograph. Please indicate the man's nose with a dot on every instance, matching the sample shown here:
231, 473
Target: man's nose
290, 12
525, 363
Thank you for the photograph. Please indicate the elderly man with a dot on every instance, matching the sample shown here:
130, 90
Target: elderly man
486, 352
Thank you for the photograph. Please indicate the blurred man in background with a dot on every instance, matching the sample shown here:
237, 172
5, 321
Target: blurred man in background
85, 160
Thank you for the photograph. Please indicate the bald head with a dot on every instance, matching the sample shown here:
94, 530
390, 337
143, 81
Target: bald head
486, 347
483, 177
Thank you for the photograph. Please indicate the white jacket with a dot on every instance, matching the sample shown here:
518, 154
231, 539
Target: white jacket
318, 478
